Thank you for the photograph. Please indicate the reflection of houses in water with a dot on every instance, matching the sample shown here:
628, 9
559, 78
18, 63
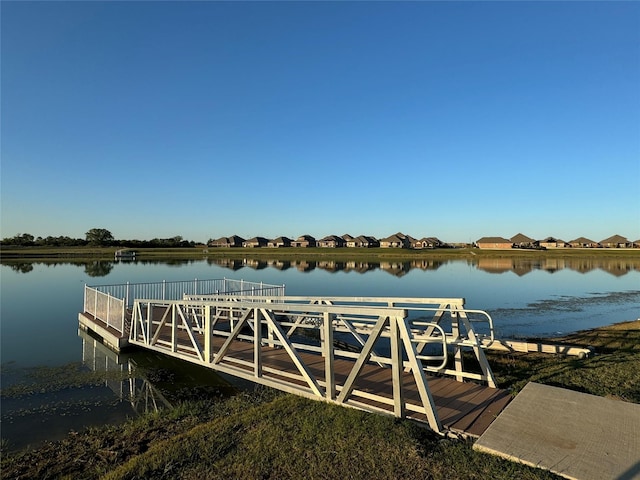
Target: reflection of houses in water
360, 267
427, 264
397, 269
617, 267
495, 265
518, 266
230, 263
279, 264
521, 267
303, 265
254, 263
581, 265
331, 265
552, 265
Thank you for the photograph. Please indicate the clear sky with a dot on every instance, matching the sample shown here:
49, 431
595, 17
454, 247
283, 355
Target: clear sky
206, 119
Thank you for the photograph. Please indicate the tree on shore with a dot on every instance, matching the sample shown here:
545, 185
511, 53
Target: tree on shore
100, 237
21, 239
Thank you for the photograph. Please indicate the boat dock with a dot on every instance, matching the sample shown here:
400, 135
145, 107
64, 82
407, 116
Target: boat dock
416, 358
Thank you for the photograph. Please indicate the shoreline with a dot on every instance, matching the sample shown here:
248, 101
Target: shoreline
147, 443
27, 254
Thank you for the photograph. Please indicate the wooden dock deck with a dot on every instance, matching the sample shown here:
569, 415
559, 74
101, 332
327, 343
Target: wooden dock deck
464, 408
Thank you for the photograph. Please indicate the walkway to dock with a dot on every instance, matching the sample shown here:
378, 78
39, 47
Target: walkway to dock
573, 434
406, 357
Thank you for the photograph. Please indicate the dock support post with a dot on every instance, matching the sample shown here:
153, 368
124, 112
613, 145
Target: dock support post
327, 352
457, 356
396, 369
208, 335
257, 343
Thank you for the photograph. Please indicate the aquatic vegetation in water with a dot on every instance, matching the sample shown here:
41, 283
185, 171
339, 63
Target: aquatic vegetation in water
567, 303
39, 380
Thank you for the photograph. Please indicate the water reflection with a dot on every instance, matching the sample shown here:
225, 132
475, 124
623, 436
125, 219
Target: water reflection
150, 381
98, 268
496, 265
120, 377
519, 266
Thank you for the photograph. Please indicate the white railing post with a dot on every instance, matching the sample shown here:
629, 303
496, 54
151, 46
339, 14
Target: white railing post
126, 297
164, 286
326, 337
108, 310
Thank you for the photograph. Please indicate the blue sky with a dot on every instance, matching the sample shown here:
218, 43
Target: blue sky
207, 119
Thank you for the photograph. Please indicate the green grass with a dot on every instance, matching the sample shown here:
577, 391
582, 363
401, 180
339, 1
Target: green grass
262, 435
79, 254
614, 370
268, 434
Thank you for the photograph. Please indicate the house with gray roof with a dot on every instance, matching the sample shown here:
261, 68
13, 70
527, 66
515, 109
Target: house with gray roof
363, 241
398, 240
304, 241
227, 242
331, 241
615, 241
583, 242
279, 242
427, 242
552, 242
255, 242
520, 240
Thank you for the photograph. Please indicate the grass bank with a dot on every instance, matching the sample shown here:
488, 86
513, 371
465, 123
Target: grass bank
268, 434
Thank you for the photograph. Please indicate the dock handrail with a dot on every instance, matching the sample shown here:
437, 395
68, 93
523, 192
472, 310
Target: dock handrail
178, 289
416, 306
105, 307
109, 303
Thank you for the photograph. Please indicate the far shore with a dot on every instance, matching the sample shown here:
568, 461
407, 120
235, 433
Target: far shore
12, 254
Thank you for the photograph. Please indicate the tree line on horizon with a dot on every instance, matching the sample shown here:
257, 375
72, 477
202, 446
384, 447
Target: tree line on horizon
96, 237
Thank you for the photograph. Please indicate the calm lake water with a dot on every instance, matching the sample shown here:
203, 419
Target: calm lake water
41, 345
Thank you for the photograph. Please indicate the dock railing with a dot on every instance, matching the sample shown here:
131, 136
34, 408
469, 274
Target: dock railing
465, 329
104, 307
410, 335
109, 303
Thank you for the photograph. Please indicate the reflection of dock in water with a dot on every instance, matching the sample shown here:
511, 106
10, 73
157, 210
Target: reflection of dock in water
120, 375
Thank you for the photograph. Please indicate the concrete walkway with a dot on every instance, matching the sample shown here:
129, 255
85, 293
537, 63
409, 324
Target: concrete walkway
575, 435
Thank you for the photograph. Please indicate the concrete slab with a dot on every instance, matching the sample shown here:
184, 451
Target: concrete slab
572, 434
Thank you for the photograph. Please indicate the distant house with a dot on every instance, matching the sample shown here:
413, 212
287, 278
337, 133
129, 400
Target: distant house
363, 241
520, 240
426, 242
255, 242
496, 243
551, 242
331, 241
304, 241
616, 241
227, 242
398, 240
636, 244
279, 242
347, 238
582, 242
